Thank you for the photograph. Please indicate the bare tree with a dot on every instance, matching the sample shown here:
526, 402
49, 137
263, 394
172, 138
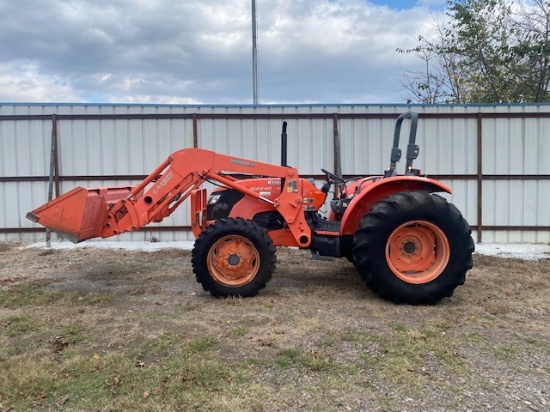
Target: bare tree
535, 25
438, 81
490, 51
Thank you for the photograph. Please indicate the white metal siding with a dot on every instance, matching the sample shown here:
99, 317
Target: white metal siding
516, 146
135, 147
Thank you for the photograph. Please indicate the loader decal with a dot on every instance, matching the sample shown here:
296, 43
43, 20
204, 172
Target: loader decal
242, 162
292, 186
165, 179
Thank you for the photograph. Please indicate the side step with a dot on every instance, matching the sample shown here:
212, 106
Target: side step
325, 240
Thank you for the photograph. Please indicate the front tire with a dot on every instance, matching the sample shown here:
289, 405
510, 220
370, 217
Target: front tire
413, 247
233, 257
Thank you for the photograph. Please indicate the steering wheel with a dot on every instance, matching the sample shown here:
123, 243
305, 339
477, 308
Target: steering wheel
332, 177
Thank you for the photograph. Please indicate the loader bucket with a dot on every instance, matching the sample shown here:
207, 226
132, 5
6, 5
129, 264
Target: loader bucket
80, 214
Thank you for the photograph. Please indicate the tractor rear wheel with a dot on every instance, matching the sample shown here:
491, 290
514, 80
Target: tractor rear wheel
413, 247
233, 257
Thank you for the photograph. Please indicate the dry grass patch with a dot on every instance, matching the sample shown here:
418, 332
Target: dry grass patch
117, 330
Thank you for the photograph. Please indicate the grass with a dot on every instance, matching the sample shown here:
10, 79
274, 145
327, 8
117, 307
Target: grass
200, 344
407, 357
290, 358
37, 295
89, 382
506, 352
17, 325
193, 377
324, 348
169, 370
53, 361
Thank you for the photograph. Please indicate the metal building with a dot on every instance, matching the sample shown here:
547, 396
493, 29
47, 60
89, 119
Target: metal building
494, 157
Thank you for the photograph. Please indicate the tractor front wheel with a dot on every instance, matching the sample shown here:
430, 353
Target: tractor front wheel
233, 257
413, 247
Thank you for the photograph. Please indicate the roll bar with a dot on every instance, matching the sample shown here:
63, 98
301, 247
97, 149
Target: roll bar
412, 148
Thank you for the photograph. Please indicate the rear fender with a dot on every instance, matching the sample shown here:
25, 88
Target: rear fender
368, 196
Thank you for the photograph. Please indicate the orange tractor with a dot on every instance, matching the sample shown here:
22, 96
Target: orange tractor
409, 244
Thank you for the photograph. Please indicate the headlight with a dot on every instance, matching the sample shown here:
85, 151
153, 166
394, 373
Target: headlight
213, 199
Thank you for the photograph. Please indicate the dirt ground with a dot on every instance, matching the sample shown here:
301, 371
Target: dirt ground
485, 348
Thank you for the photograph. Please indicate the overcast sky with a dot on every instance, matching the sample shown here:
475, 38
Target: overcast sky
199, 51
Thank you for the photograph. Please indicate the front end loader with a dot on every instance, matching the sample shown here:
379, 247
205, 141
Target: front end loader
408, 243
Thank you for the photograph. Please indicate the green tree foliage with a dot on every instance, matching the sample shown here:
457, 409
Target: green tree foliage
489, 51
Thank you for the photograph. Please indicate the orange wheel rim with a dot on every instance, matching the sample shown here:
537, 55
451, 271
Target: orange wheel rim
417, 252
233, 260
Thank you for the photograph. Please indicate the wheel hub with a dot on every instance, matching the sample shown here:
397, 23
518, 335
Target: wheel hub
417, 252
233, 260
409, 247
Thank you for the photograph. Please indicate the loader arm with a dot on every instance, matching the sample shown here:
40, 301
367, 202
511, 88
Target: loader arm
160, 193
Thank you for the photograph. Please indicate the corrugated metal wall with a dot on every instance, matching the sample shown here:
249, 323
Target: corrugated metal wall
519, 147
116, 144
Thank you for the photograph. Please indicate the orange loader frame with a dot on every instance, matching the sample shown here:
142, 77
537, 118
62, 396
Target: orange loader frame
85, 213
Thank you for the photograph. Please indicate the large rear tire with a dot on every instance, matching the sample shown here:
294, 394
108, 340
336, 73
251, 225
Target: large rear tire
413, 247
233, 257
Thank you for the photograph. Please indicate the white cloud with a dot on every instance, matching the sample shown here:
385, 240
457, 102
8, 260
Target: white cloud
157, 99
198, 51
22, 82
